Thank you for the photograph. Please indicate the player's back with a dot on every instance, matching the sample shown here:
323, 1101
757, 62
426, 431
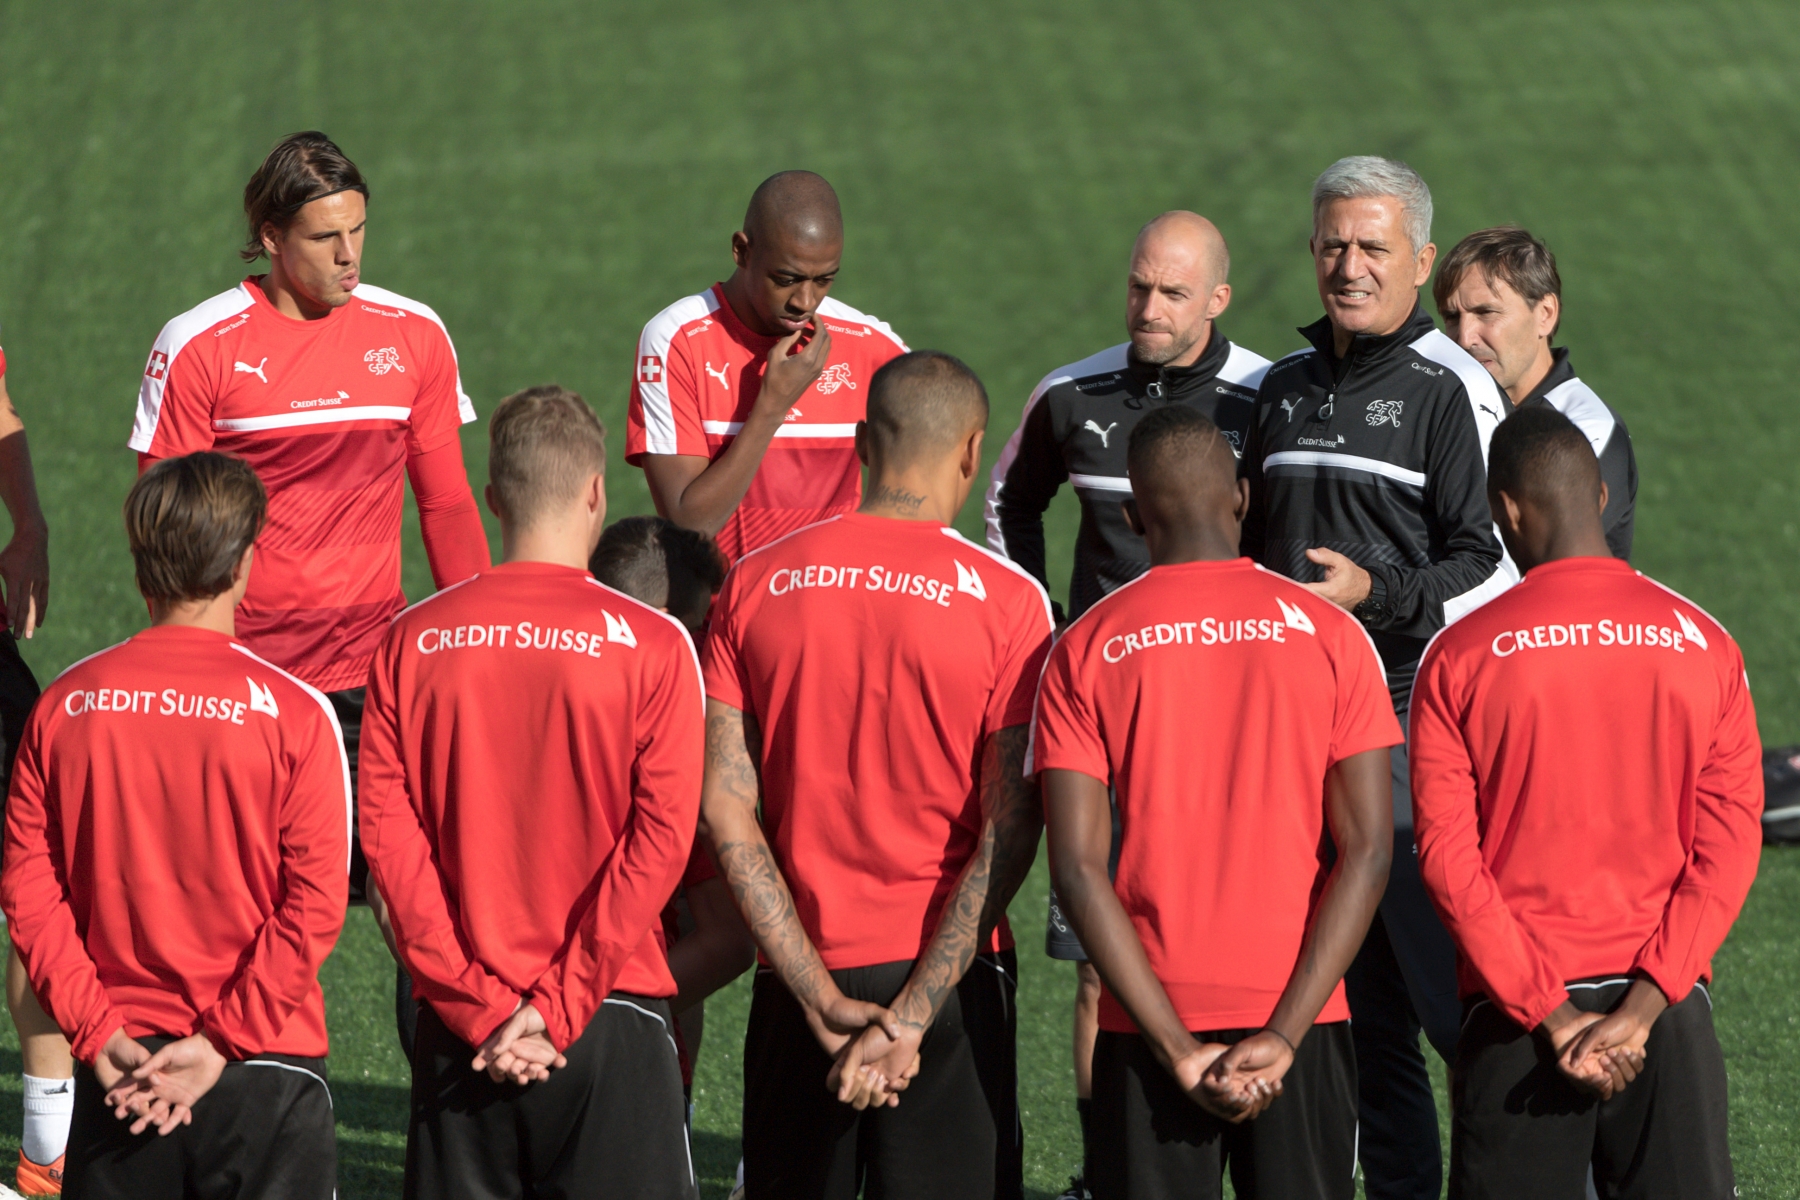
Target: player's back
876, 655
1216, 695
521, 699
1596, 707
178, 773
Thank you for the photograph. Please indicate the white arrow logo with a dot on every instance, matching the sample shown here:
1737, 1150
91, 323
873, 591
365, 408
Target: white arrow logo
1690, 630
262, 699
968, 581
618, 631
1295, 616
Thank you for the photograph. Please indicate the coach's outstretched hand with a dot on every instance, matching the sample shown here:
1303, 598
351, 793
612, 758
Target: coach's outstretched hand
519, 1051
1345, 584
1608, 1052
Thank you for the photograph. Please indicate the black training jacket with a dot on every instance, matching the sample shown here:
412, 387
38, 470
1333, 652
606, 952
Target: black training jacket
1563, 390
1075, 427
1382, 457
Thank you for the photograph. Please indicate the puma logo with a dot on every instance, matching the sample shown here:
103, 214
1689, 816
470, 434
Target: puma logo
1288, 407
720, 375
244, 368
1104, 433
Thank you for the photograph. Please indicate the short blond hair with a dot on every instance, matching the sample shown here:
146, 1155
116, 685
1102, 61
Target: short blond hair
543, 443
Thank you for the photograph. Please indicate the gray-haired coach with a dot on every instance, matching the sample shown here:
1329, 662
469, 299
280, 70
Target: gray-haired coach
1368, 479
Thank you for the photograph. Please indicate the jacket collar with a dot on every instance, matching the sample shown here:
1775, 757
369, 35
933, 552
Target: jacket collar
1178, 381
1365, 348
1560, 373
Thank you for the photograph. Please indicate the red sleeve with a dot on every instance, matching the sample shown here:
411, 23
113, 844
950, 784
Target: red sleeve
450, 524
1364, 715
1066, 735
663, 416
1015, 689
175, 402
1515, 972
440, 407
283, 963
39, 918
645, 866
471, 1000
1727, 845
724, 668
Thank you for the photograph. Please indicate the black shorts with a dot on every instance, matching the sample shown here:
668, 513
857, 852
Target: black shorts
1152, 1142
989, 996
1060, 941
348, 705
264, 1132
801, 1144
611, 1123
18, 692
1519, 1128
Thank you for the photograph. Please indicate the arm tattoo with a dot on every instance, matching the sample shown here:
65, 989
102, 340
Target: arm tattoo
1011, 822
748, 863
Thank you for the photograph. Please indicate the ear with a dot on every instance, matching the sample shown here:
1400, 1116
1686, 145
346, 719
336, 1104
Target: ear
970, 466
1506, 512
1427, 257
1241, 509
862, 442
740, 248
595, 497
1221, 300
241, 572
1549, 311
1603, 496
1133, 520
271, 239
493, 503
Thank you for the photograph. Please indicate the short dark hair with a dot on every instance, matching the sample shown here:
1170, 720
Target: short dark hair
922, 403
1539, 454
1171, 451
542, 444
189, 520
660, 563
1507, 253
302, 167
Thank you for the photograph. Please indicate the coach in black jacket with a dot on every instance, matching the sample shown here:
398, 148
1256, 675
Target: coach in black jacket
1368, 481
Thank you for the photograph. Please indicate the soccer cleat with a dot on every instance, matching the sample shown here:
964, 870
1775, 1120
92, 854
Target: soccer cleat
1077, 1190
37, 1180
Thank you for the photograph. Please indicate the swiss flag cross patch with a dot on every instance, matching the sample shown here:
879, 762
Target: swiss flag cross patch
159, 365
650, 369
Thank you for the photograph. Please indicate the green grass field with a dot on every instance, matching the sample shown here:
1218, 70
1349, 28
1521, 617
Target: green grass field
549, 174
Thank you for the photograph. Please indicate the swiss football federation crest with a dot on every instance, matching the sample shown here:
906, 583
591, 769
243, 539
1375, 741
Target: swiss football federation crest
837, 375
1382, 411
384, 360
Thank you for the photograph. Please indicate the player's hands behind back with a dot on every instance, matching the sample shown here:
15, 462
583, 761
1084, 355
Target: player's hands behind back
158, 1089
519, 1051
1608, 1052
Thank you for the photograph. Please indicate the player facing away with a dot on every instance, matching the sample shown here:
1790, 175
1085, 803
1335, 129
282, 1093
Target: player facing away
531, 767
1587, 788
25, 572
679, 571
338, 393
869, 685
177, 853
746, 397
1244, 724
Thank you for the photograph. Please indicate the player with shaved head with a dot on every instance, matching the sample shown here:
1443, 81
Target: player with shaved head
746, 397
1587, 788
1243, 725
869, 685
1075, 428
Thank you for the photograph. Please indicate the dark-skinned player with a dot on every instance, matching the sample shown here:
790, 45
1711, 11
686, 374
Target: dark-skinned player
1587, 790
1244, 725
746, 396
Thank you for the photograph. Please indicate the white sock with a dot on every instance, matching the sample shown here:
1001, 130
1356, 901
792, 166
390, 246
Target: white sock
49, 1103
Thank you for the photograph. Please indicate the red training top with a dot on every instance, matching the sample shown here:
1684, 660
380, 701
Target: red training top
178, 847
877, 656
1215, 696
530, 768
330, 413
699, 369
1587, 785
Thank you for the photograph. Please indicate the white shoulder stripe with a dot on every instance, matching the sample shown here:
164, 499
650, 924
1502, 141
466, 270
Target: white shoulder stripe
173, 339
1010, 565
465, 408
687, 639
89, 658
1113, 358
1577, 401
653, 344
1486, 402
337, 733
843, 312
449, 587
1665, 587
1292, 354
1244, 367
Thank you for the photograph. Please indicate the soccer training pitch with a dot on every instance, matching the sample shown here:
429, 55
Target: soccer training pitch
548, 175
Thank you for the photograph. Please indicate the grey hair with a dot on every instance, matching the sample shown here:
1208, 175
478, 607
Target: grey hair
1363, 176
